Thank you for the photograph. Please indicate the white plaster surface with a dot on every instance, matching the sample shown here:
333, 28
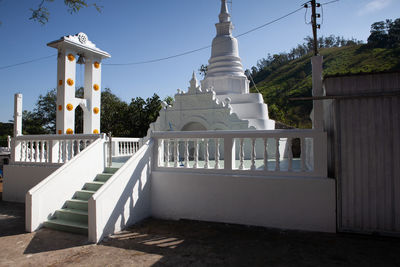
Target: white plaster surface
286, 203
51, 193
124, 199
19, 179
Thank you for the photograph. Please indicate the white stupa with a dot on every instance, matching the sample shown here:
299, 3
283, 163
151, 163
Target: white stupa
223, 101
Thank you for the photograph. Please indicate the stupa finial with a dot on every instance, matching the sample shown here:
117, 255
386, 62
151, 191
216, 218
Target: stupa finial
224, 16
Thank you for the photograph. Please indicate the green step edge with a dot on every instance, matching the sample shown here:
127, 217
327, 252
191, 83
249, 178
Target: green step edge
67, 226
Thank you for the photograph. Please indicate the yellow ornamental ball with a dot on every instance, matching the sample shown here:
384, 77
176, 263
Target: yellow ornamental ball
71, 57
96, 64
96, 110
70, 107
96, 87
95, 131
70, 82
70, 131
60, 82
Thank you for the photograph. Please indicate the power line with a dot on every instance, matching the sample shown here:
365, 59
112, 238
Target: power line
26, 62
330, 2
173, 56
205, 47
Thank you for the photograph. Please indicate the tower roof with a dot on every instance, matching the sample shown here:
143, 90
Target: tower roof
79, 43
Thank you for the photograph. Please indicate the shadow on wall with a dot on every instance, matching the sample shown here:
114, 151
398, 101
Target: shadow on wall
129, 210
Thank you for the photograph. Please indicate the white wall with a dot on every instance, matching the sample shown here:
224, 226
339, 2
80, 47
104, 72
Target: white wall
124, 199
51, 193
286, 203
19, 179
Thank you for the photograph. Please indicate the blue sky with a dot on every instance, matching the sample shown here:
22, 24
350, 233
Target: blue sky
133, 31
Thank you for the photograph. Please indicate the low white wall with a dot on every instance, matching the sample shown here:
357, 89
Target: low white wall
124, 199
19, 179
286, 203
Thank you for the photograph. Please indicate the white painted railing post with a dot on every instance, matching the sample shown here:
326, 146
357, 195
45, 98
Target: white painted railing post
241, 154
277, 155
196, 153
320, 154
176, 153
266, 154
206, 155
253, 154
216, 156
229, 153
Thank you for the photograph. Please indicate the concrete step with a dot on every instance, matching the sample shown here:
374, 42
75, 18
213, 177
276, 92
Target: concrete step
77, 204
110, 170
67, 226
72, 215
103, 177
83, 194
93, 186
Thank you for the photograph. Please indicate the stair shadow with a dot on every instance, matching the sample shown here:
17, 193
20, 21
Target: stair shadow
12, 218
138, 209
51, 240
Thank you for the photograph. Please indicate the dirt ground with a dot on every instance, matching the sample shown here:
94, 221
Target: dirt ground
189, 243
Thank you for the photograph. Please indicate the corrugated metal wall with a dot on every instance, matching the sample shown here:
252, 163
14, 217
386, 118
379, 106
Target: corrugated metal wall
364, 133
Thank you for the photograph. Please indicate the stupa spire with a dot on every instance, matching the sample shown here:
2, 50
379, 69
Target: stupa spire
224, 15
225, 71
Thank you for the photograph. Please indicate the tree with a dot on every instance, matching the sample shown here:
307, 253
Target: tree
203, 70
41, 14
45, 111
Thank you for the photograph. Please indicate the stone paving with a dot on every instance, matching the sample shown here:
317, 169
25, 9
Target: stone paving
189, 243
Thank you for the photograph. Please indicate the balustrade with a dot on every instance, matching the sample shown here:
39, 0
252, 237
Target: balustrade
48, 149
244, 151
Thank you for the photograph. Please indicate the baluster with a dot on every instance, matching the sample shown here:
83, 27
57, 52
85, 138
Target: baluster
186, 153
216, 153
42, 155
176, 153
166, 153
290, 154
253, 154
265, 154
78, 148
72, 148
303, 154
22, 155
36, 159
60, 151
277, 156
130, 148
241, 154
26, 151
196, 153
125, 148
66, 151
31, 150
206, 155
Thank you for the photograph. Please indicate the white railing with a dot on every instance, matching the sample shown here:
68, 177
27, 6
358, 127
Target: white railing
48, 149
243, 152
124, 199
52, 192
125, 146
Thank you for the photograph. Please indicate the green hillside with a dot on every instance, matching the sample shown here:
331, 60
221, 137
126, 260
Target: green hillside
293, 78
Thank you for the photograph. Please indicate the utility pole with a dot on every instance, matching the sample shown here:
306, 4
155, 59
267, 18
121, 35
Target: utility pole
315, 26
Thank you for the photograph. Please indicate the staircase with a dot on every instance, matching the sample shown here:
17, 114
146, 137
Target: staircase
73, 217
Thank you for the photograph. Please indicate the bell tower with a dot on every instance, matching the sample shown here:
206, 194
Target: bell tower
75, 49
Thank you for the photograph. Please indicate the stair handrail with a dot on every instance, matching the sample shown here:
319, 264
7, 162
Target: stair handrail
42, 200
97, 229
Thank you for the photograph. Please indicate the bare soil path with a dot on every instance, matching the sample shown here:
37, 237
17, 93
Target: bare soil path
189, 243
